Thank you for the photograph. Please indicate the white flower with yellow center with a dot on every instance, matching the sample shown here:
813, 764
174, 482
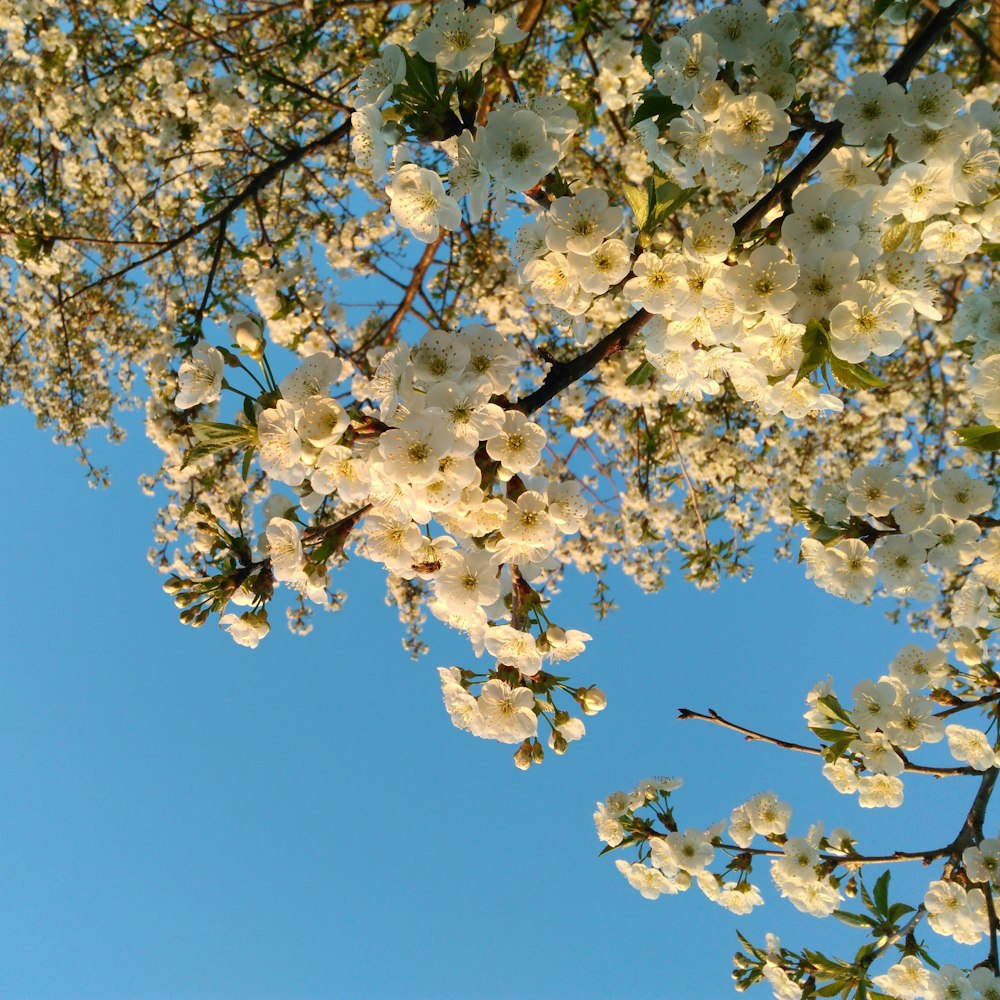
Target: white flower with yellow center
199, 377
748, 127
418, 202
517, 151
659, 284
508, 713
868, 322
458, 37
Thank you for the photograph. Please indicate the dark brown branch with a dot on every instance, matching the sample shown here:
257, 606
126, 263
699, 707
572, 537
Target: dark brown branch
972, 827
564, 373
751, 736
899, 72
216, 258
897, 857
390, 328
965, 705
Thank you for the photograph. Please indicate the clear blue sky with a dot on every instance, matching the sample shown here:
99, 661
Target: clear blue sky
185, 818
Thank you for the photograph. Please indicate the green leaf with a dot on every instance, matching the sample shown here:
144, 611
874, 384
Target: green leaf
247, 460
829, 735
421, 75
805, 515
830, 701
28, 247
894, 236
638, 201
641, 375
815, 350
212, 437
627, 842
898, 910
854, 919
853, 376
830, 990
222, 435
669, 199
992, 250
880, 893
650, 52
197, 452
866, 896
879, 7
985, 437
653, 104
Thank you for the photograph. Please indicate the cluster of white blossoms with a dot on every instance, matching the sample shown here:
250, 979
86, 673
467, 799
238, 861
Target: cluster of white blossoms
891, 718
517, 146
677, 859
441, 487
957, 912
744, 269
884, 525
910, 979
855, 251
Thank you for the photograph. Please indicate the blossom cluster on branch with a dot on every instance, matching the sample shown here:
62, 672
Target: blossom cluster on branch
552, 287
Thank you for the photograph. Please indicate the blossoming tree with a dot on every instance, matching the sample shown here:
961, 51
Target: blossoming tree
479, 294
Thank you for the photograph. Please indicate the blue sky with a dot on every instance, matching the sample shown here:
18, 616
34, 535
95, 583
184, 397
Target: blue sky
186, 818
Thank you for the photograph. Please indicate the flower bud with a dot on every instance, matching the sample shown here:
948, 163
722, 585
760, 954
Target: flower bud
555, 636
537, 753
559, 744
522, 756
247, 330
592, 700
174, 585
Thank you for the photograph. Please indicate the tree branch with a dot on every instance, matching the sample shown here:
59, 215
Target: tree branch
752, 737
390, 327
565, 373
257, 183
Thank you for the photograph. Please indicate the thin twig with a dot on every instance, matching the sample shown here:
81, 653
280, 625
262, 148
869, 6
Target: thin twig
257, 183
753, 736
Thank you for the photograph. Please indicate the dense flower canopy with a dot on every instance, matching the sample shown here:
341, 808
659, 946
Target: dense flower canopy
479, 294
